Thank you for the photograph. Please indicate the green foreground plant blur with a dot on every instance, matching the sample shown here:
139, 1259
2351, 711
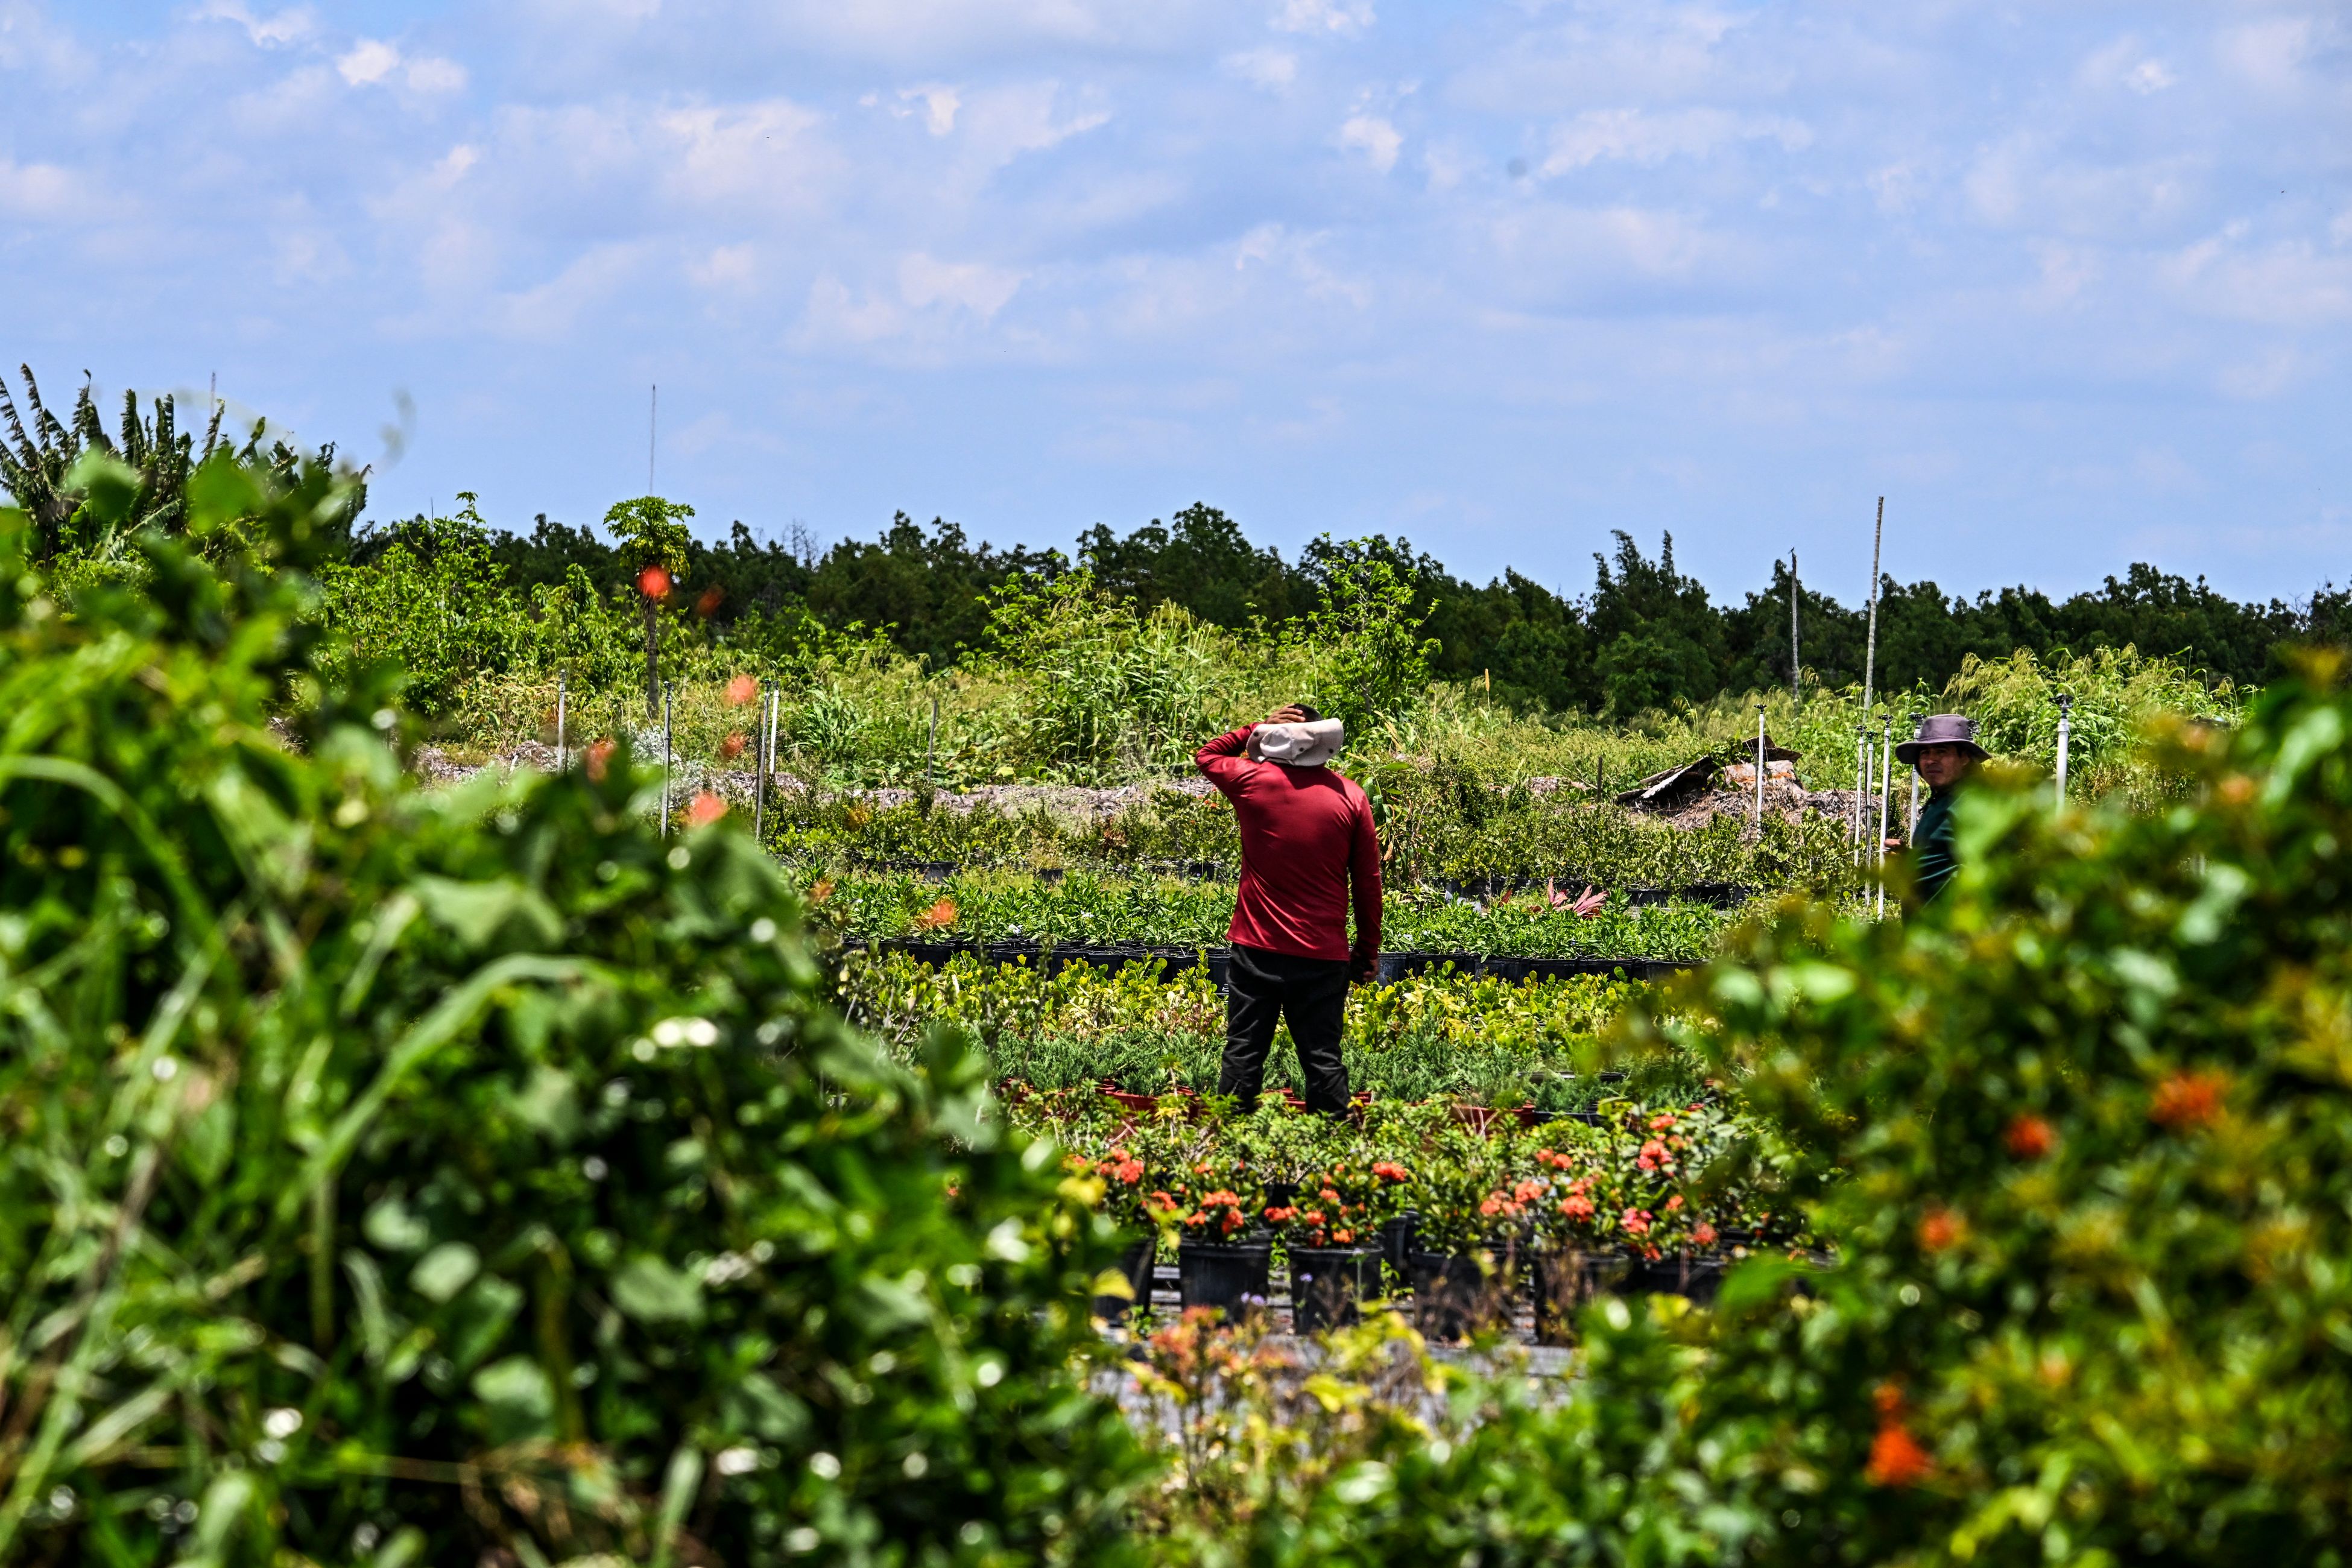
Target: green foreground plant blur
402, 1178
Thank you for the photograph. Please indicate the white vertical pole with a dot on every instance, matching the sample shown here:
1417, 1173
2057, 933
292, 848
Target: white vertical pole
1796, 662
562, 758
1870, 649
1911, 823
665, 803
760, 775
1759, 767
1885, 799
2065, 733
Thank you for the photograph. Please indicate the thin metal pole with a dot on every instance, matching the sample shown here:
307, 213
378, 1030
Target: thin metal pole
931, 750
665, 759
1911, 823
1796, 662
562, 758
1860, 789
2065, 732
1885, 799
1759, 767
760, 775
1870, 650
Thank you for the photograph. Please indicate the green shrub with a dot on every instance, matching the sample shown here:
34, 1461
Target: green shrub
434, 1178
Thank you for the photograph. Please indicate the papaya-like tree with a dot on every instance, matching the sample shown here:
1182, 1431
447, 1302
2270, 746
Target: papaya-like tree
653, 543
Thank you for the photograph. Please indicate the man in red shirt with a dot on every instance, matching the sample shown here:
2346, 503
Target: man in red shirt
1306, 835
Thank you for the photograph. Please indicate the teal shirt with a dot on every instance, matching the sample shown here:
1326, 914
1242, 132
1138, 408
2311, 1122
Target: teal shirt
1933, 859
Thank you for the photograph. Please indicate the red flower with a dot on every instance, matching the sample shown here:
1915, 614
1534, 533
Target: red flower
600, 756
2030, 1137
1704, 1234
1895, 1458
2188, 1099
1527, 1192
1635, 1222
1940, 1229
1343, 1236
1281, 1214
1576, 1206
1674, 1202
1389, 1169
654, 583
742, 690
1661, 1121
1328, 1195
732, 746
942, 913
705, 809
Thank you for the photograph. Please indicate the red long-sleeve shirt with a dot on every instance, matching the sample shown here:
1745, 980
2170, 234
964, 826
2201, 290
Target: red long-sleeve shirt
1306, 834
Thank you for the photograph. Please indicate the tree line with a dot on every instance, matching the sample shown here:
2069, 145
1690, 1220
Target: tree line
1646, 636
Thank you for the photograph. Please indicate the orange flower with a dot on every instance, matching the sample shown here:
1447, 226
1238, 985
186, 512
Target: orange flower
1895, 1458
2188, 1099
1389, 1169
1635, 1222
2030, 1137
732, 746
1941, 1229
1704, 1234
1576, 1206
742, 690
705, 809
942, 913
654, 583
600, 754
712, 597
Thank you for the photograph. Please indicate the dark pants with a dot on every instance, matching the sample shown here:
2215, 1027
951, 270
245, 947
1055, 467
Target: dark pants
1264, 988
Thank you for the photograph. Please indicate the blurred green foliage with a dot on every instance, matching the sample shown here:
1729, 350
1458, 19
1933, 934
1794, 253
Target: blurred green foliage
400, 1177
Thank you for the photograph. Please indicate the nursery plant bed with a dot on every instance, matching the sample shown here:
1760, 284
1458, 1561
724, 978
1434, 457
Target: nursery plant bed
1458, 1294
1174, 961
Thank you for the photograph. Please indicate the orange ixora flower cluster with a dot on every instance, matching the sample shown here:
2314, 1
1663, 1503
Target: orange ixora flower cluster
1221, 1208
2030, 1137
2188, 1099
1896, 1459
937, 917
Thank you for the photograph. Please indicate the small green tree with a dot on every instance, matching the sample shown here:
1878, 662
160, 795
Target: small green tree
653, 543
1375, 661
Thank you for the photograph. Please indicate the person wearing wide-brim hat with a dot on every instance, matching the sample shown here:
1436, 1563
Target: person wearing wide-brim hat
1944, 751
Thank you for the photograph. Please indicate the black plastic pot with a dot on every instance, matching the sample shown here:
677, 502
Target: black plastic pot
1136, 1264
1456, 1295
1278, 1194
1234, 1279
1396, 1241
1328, 1282
1697, 1277
1564, 1282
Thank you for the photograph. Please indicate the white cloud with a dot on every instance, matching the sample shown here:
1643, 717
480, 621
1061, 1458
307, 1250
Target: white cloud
1636, 136
1374, 137
766, 152
1269, 68
1340, 18
2126, 63
369, 62
2289, 283
2269, 54
372, 61
940, 106
287, 26
552, 310
982, 290
36, 190
835, 316
726, 266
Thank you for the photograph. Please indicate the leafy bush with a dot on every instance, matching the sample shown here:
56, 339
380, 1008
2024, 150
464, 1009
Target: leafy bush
416, 1178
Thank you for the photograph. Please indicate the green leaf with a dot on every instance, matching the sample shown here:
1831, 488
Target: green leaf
393, 1226
651, 1291
448, 1268
475, 912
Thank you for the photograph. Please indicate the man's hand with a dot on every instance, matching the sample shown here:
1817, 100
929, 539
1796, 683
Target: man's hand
1293, 715
1362, 967
1894, 842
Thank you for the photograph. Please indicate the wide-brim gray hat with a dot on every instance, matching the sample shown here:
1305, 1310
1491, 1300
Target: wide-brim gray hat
1942, 730
1308, 745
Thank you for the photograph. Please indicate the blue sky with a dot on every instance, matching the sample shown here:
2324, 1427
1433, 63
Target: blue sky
2069, 282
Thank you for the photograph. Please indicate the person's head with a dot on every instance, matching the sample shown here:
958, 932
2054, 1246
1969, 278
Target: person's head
1944, 749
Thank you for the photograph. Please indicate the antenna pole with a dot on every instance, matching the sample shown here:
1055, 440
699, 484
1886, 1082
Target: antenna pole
1759, 767
653, 423
1796, 664
1870, 653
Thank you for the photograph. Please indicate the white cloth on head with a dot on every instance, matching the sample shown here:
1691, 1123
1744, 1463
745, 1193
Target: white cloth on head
1299, 745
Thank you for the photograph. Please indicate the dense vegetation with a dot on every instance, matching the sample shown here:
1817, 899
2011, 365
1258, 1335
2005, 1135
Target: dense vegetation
1644, 636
